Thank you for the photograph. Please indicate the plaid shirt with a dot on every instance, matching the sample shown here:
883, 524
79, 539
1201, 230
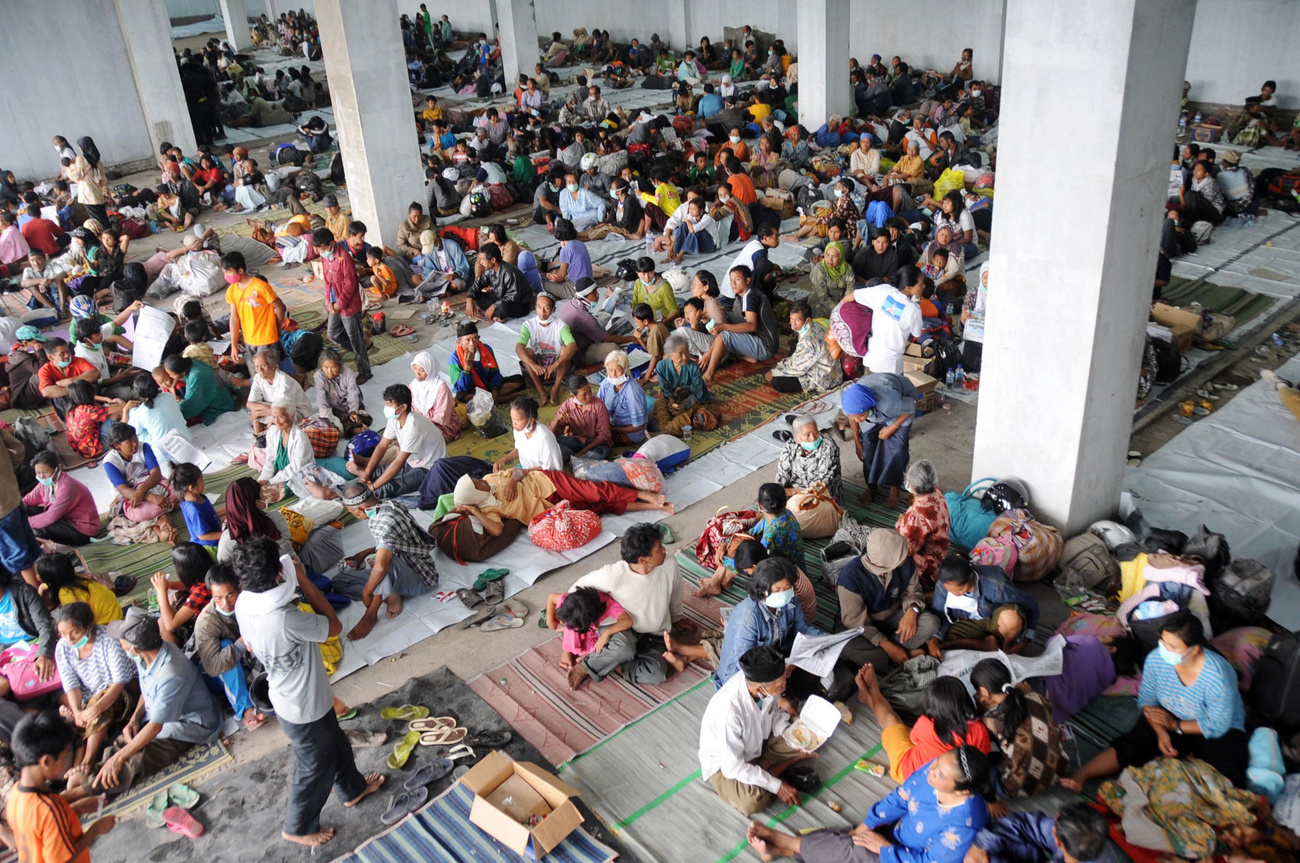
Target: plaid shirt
395, 529
199, 596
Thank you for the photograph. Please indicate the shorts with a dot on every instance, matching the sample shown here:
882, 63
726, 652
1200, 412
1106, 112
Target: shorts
18, 546
746, 345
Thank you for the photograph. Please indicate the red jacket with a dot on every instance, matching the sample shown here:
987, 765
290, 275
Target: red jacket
341, 285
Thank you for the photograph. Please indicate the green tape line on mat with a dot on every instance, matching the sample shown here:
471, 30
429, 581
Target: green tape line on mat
562, 767
653, 804
744, 843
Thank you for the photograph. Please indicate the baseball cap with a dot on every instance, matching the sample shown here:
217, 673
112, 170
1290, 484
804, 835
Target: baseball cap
138, 629
28, 333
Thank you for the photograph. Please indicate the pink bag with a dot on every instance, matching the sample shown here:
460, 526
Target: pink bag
997, 551
562, 528
18, 665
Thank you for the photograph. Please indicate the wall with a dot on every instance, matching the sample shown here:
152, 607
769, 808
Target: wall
1237, 45
911, 30
466, 16
86, 88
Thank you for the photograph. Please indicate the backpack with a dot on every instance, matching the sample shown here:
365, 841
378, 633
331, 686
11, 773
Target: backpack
1275, 688
1038, 545
479, 206
1168, 362
945, 348
968, 521
1086, 554
1211, 548
1243, 591
336, 169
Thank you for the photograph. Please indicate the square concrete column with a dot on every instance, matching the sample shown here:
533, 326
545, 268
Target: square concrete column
373, 113
823, 27
1096, 86
237, 29
148, 34
520, 50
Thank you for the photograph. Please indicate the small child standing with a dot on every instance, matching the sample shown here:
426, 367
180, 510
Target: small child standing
201, 518
45, 826
383, 281
650, 335
589, 619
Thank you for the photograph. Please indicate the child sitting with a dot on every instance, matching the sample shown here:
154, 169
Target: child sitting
778, 530
87, 421
650, 335
589, 619
198, 349
383, 281
192, 563
201, 518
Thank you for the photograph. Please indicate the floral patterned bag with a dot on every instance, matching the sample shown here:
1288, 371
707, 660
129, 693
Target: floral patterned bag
562, 528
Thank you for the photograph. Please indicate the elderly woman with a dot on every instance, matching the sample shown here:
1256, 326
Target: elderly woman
338, 394
143, 497
269, 385
468, 524
624, 399
97, 676
763, 164
832, 280
810, 368
811, 456
794, 150
925, 524
288, 450
909, 168
880, 408
682, 392
432, 398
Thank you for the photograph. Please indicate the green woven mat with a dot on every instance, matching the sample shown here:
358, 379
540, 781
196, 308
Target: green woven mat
386, 347
1238, 302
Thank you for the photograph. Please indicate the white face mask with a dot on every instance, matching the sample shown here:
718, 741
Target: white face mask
735, 139
967, 603
617, 381
780, 598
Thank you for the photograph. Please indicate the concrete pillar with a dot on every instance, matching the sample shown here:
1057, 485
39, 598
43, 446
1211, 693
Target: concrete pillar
1067, 312
237, 30
823, 27
373, 112
148, 35
678, 15
519, 47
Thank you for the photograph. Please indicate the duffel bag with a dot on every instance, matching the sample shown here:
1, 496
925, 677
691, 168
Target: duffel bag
1038, 545
968, 521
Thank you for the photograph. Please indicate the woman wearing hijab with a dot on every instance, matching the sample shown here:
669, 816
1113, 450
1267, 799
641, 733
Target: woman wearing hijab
972, 321
880, 408
88, 173
727, 90
832, 280
431, 396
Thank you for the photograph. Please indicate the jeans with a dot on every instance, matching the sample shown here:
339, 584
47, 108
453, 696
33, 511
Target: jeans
324, 759
569, 447
398, 581
346, 330
407, 481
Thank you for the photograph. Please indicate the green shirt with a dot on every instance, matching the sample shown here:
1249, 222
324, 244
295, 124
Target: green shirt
660, 299
205, 396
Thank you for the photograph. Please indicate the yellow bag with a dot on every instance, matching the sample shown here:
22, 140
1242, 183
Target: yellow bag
331, 650
819, 218
951, 179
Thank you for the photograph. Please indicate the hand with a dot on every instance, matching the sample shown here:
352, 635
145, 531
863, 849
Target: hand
601, 642
44, 667
107, 776
159, 582
131, 729
932, 647
976, 854
509, 490
101, 826
887, 432
789, 796
87, 716
234, 352
907, 626
1167, 747
895, 652
1157, 717
136, 306
857, 445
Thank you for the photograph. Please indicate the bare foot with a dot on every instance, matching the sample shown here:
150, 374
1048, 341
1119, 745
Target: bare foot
711, 587
394, 603
363, 627
669, 508
867, 496
892, 500
866, 680
373, 783
311, 840
678, 664
758, 836
1069, 783
566, 661
577, 676
668, 642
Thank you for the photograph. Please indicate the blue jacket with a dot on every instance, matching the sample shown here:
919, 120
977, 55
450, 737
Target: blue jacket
991, 590
753, 625
1026, 837
456, 259
878, 597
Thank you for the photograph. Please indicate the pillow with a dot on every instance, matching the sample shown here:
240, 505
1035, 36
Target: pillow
1242, 647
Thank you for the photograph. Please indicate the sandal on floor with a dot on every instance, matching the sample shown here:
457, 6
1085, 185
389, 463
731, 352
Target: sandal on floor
344, 717
515, 608
432, 723
401, 330
502, 621
494, 593
398, 808
402, 751
488, 576
490, 739
182, 795
487, 612
458, 752
470, 598
366, 739
406, 712
153, 816
429, 774
182, 822
443, 736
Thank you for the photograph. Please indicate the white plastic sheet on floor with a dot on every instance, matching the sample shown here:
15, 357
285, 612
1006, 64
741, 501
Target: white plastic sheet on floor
1238, 472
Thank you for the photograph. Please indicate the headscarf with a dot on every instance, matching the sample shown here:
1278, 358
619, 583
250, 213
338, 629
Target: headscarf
857, 399
467, 494
836, 273
727, 89
244, 519
89, 151
8, 188
422, 392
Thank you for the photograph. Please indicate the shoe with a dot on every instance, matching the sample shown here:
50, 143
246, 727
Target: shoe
783, 436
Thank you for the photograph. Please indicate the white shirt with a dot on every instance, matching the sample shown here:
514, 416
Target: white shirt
734, 730
679, 215
920, 140
541, 450
280, 387
95, 357
895, 319
745, 259
418, 438
654, 600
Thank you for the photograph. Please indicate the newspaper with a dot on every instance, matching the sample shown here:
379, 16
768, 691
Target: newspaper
152, 330
180, 450
818, 654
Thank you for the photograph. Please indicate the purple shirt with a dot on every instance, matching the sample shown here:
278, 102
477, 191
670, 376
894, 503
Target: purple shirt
575, 255
586, 330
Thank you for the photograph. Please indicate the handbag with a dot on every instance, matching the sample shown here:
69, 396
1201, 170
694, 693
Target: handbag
816, 511
968, 521
562, 528
997, 551
719, 530
18, 665
323, 434
1038, 545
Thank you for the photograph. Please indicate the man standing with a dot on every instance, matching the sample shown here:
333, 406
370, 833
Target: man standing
256, 311
896, 318
342, 298
287, 641
403, 558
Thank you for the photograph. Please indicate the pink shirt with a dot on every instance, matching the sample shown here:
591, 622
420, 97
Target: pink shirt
68, 501
12, 245
583, 643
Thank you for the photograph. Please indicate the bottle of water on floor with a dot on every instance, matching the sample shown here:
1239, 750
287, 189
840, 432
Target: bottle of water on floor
686, 434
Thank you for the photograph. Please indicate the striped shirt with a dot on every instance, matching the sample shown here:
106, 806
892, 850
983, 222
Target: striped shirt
106, 665
46, 828
1212, 700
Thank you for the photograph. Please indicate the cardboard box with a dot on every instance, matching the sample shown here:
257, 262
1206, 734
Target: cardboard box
492, 774
1206, 134
1170, 316
1182, 337
516, 798
924, 383
914, 361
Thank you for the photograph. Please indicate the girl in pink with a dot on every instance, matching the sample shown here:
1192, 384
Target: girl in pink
589, 619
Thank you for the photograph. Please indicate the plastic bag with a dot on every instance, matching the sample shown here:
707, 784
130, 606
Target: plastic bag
483, 414
951, 179
199, 273
599, 470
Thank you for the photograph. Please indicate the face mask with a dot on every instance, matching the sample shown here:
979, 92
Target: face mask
46, 480
839, 193
1169, 656
221, 611
810, 445
63, 364
230, 280
614, 194
617, 381
779, 599
572, 187
85, 639
390, 412
735, 139
722, 199
92, 346
372, 511
975, 93
327, 254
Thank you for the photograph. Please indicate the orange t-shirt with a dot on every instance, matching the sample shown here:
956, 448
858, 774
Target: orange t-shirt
51, 374
255, 305
45, 827
385, 279
926, 745
743, 188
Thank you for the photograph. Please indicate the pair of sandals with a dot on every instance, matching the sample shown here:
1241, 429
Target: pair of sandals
493, 612
415, 791
170, 809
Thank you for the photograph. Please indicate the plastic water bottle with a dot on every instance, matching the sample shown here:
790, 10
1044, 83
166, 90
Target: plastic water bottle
1182, 123
1197, 119
961, 375
950, 378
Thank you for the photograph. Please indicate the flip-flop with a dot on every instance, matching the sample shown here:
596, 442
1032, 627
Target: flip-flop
470, 598
397, 808
444, 736
400, 330
488, 576
344, 717
494, 592
502, 621
182, 822
402, 751
485, 613
366, 739
429, 774
666, 533
490, 739
153, 816
515, 608
182, 795
406, 711
418, 797
433, 723
458, 752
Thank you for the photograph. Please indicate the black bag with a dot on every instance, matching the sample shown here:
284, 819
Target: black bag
945, 348
1169, 363
1275, 688
1159, 539
336, 169
308, 182
1245, 588
1211, 548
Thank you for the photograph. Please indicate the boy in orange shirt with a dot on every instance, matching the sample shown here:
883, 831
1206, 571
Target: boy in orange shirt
46, 828
383, 281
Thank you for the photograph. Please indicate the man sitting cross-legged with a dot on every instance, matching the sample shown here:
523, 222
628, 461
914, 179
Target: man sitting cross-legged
546, 349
